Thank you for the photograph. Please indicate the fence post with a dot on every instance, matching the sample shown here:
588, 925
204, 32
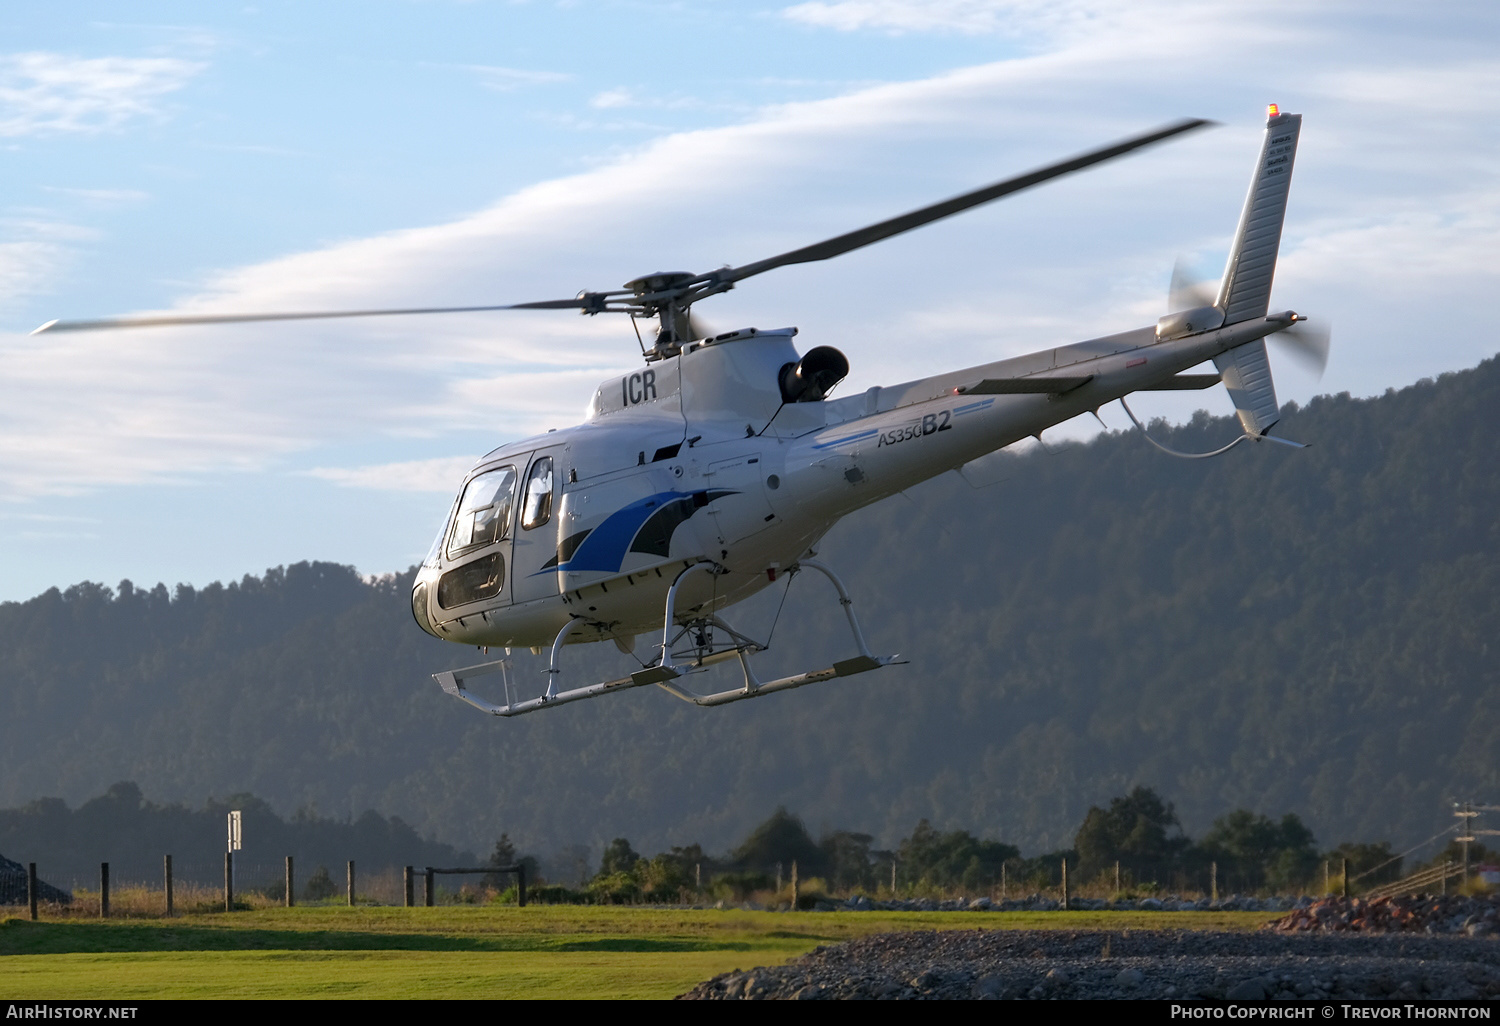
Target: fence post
229, 881
166, 874
351, 883
796, 888
104, 890
406, 875
1345, 874
31, 887
427, 887
1065, 884
291, 884
1117, 876
1213, 882
521, 885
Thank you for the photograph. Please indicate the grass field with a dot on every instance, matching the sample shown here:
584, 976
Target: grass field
465, 951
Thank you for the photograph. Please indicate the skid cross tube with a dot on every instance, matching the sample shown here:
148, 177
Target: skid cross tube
669, 620
664, 672
754, 687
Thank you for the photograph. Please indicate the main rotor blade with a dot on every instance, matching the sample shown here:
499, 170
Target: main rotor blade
109, 323
906, 222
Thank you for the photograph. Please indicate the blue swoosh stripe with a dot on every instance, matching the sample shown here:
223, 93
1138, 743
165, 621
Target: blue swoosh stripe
846, 438
604, 549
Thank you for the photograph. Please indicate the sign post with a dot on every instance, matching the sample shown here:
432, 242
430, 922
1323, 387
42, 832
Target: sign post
232, 845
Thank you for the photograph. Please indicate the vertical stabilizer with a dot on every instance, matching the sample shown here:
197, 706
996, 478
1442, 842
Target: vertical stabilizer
1245, 292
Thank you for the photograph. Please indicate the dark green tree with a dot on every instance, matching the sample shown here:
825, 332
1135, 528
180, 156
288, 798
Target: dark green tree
619, 857
1254, 853
848, 859
1139, 830
505, 854
319, 886
781, 839
929, 858
1370, 865
1454, 853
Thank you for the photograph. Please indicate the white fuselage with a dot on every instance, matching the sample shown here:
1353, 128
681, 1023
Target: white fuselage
696, 458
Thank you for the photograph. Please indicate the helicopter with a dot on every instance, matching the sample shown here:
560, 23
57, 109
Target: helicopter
714, 468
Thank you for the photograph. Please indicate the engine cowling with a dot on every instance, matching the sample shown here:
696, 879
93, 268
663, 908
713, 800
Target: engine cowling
1189, 322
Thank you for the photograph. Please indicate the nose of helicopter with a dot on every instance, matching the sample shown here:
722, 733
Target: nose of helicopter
421, 592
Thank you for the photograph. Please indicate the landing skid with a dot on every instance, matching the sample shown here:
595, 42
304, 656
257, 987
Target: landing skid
686, 648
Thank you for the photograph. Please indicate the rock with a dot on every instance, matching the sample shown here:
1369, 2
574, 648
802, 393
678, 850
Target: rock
1257, 988
988, 964
926, 980
991, 986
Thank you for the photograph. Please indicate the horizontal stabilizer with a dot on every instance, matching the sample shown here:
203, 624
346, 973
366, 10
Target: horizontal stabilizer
1055, 385
1184, 382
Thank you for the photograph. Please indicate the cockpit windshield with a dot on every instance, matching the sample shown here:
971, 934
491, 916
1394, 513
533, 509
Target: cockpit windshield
484, 512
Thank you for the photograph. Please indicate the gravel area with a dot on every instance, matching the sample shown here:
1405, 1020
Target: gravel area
1154, 964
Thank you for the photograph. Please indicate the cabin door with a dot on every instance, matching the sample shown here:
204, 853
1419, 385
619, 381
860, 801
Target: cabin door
535, 538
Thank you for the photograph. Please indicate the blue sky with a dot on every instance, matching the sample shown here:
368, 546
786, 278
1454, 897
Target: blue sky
345, 155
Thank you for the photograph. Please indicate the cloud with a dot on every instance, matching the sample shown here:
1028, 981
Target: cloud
442, 474
506, 80
107, 198
965, 17
46, 93
33, 250
611, 99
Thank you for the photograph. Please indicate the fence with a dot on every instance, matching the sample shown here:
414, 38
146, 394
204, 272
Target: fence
243, 883
1425, 881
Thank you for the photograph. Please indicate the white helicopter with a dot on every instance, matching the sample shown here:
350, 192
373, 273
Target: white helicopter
699, 479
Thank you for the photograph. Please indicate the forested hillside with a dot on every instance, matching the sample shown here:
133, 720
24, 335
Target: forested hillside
1273, 630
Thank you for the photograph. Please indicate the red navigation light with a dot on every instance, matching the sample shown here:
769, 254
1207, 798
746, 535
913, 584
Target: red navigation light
1272, 111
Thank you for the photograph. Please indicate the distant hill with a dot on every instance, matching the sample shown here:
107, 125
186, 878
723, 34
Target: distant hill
1280, 630
132, 834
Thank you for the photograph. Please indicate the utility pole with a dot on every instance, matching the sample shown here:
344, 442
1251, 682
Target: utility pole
1469, 833
1466, 816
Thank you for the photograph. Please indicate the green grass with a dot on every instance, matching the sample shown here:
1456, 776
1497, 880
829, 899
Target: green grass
465, 951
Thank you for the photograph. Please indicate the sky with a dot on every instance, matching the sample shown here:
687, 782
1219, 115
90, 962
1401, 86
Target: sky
390, 153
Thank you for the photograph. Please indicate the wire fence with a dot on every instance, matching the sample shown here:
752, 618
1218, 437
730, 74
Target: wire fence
198, 886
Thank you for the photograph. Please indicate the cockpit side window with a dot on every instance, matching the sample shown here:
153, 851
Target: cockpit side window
536, 507
484, 511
